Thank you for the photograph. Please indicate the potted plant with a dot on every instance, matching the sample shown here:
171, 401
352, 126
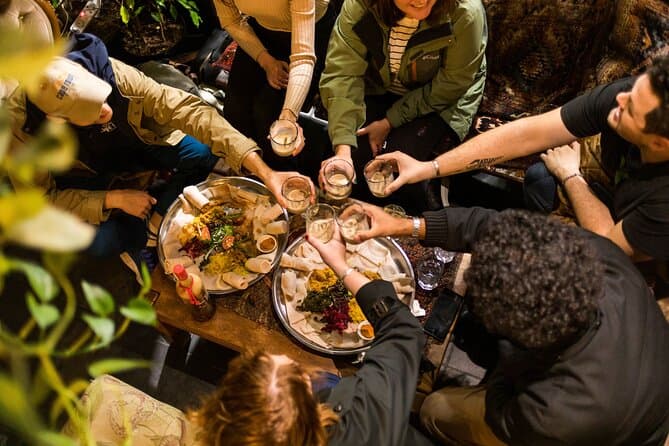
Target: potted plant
154, 27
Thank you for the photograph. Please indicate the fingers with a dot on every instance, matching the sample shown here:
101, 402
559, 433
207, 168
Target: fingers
362, 131
394, 185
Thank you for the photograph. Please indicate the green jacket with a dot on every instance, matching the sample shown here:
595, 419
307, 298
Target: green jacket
159, 115
443, 66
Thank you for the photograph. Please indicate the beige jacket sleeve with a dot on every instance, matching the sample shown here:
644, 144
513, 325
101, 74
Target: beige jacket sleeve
302, 53
231, 19
86, 204
176, 109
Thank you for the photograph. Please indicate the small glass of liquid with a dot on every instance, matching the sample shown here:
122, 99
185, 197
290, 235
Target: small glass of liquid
379, 174
321, 222
338, 175
283, 135
296, 192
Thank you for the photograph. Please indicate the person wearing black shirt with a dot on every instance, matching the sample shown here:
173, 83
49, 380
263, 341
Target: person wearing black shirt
632, 116
581, 342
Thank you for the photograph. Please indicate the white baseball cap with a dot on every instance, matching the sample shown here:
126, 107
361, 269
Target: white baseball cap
67, 90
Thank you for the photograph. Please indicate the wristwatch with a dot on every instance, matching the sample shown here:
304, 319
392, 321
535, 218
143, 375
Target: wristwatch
416, 227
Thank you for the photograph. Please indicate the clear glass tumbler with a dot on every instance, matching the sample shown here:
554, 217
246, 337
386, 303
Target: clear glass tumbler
283, 135
428, 272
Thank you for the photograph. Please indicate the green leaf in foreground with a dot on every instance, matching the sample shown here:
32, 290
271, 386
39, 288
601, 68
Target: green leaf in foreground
49, 438
141, 311
15, 410
101, 326
42, 283
99, 299
105, 366
45, 315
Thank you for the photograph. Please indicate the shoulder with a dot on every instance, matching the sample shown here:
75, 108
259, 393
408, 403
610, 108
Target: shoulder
469, 10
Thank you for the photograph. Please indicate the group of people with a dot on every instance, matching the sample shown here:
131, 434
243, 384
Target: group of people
581, 346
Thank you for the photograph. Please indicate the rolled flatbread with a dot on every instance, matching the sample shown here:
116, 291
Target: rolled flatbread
288, 284
185, 205
221, 192
174, 261
297, 263
195, 197
271, 214
277, 227
266, 243
235, 280
260, 265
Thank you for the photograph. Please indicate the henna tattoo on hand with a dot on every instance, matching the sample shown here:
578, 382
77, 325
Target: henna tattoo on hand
483, 162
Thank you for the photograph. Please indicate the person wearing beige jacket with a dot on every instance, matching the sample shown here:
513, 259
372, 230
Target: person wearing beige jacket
124, 122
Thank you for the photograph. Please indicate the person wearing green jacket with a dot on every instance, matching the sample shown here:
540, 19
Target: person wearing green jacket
402, 75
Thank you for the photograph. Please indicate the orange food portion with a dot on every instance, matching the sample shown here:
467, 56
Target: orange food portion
367, 330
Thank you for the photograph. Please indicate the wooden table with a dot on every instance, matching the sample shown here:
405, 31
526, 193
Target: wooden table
246, 319
226, 328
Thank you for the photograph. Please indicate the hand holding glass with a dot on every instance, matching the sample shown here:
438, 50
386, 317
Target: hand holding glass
320, 222
338, 177
379, 174
296, 192
352, 219
283, 135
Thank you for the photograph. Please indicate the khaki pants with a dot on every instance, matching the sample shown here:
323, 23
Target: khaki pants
455, 416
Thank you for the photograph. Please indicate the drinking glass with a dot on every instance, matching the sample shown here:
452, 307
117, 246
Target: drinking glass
320, 221
443, 255
395, 210
297, 193
352, 219
283, 135
379, 174
338, 175
428, 272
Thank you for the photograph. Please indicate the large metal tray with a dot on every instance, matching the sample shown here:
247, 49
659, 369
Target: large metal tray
399, 257
241, 182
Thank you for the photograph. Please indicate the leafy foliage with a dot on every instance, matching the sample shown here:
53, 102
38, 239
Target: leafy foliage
159, 10
28, 375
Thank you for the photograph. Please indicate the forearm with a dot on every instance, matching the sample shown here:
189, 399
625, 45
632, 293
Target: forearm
254, 164
513, 140
590, 212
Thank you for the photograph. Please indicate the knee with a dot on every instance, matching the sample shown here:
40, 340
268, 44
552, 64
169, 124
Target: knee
537, 172
434, 412
539, 189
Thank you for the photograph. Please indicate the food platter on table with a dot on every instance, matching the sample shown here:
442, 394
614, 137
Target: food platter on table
300, 261
217, 227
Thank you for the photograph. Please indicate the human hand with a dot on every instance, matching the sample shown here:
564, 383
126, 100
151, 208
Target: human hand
382, 224
409, 170
563, 161
377, 132
275, 70
342, 152
333, 252
133, 202
274, 182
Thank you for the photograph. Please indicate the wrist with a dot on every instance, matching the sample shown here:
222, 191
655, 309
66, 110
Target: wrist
110, 200
564, 179
405, 227
343, 150
340, 269
263, 58
288, 114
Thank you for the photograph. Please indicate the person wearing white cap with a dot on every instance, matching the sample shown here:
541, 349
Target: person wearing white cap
126, 122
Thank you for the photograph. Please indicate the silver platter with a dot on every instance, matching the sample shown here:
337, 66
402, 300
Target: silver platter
243, 183
399, 257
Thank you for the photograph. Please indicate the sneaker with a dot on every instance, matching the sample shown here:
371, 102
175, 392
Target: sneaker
133, 263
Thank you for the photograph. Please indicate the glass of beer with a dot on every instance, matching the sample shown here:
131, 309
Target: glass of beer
283, 135
297, 193
321, 222
338, 179
379, 174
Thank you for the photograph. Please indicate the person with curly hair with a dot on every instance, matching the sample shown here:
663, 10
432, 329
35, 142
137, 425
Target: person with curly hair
623, 126
580, 339
271, 400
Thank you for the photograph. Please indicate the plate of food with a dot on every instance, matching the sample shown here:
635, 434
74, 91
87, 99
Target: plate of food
230, 231
314, 306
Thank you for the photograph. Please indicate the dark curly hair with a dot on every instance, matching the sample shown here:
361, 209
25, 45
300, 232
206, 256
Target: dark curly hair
534, 281
657, 120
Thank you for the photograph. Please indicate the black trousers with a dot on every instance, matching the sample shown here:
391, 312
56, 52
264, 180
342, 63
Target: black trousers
423, 138
251, 105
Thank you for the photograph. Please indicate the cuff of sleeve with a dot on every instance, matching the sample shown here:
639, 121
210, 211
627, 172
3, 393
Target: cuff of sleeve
94, 205
394, 117
376, 298
436, 227
235, 157
343, 137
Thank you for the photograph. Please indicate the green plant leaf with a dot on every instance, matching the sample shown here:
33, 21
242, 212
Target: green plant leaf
139, 10
99, 299
116, 365
26, 203
131, 4
173, 12
15, 409
102, 327
141, 311
195, 18
58, 262
45, 315
125, 17
5, 132
50, 438
156, 17
42, 283
52, 229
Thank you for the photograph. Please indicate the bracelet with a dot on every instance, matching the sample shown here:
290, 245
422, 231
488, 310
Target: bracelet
435, 163
346, 273
416, 227
569, 177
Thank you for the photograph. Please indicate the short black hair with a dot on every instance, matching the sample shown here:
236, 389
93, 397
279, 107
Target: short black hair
657, 120
534, 280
